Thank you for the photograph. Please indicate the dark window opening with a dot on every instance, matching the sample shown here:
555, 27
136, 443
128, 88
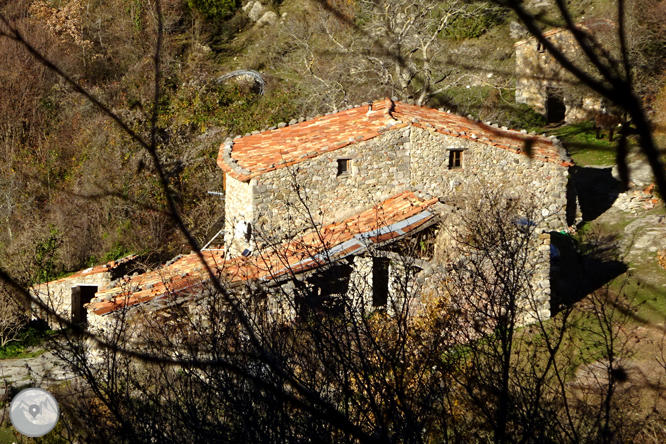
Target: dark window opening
248, 232
555, 108
343, 167
81, 295
455, 159
323, 291
380, 281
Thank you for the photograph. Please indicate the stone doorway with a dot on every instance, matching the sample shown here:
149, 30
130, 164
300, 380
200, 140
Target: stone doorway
81, 295
555, 108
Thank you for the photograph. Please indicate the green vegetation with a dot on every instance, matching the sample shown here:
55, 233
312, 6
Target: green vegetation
214, 9
30, 338
7, 435
581, 141
475, 23
239, 110
46, 255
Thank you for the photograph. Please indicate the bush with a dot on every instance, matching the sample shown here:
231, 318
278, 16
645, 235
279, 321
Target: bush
489, 104
474, 23
237, 109
214, 9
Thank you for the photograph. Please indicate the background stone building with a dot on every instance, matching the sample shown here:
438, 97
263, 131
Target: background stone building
546, 86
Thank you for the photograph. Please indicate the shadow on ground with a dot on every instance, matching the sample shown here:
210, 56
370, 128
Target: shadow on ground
582, 269
597, 190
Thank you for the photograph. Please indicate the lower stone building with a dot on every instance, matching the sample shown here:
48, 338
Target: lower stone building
68, 296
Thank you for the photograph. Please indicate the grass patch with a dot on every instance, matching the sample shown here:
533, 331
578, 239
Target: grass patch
7, 435
581, 141
649, 299
30, 338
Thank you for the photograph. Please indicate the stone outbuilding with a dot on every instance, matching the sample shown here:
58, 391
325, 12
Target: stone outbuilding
68, 296
542, 82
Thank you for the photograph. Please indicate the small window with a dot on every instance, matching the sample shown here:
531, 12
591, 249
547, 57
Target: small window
343, 167
455, 159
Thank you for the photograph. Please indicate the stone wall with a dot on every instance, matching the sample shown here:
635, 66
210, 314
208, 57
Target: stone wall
536, 305
402, 284
58, 295
537, 72
487, 165
379, 168
238, 208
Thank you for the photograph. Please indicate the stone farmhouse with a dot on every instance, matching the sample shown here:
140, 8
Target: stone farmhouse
337, 165
545, 85
333, 192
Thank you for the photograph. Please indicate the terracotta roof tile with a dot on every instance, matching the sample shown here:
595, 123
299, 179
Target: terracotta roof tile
394, 217
102, 268
259, 153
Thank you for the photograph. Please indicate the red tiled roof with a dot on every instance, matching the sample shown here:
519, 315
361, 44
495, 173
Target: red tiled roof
254, 155
394, 217
103, 268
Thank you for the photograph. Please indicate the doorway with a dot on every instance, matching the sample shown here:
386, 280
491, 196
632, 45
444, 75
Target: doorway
81, 295
555, 108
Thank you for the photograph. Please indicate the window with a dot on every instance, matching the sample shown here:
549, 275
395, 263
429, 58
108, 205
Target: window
380, 281
455, 159
343, 167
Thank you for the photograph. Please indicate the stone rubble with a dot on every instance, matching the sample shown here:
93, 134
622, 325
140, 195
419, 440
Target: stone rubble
636, 200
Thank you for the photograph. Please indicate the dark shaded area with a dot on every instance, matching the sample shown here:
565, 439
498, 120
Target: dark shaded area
380, 281
81, 295
597, 190
322, 291
555, 108
581, 269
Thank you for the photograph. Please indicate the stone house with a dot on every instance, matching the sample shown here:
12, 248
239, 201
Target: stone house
325, 169
542, 82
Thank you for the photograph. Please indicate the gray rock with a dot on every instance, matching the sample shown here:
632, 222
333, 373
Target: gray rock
517, 30
539, 4
640, 173
269, 18
248, 6
256, 11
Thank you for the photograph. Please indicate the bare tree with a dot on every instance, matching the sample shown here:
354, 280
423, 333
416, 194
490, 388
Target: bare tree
13, 317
